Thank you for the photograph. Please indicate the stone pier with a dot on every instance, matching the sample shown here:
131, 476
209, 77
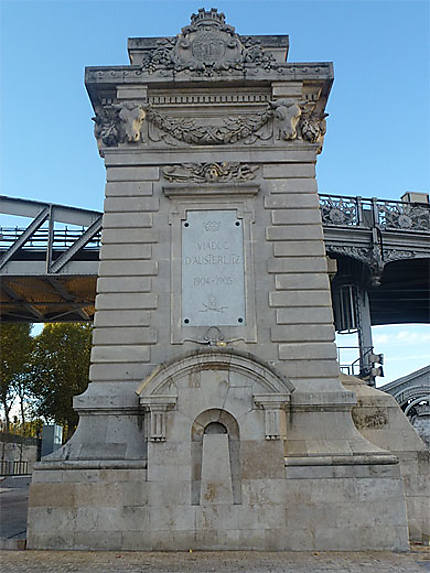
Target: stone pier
215, 417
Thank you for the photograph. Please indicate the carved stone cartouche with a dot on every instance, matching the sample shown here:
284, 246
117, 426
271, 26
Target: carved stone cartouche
206, 47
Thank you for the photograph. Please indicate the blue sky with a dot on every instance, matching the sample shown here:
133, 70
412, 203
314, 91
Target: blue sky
377, 142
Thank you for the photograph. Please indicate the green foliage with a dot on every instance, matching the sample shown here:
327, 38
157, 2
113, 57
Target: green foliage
61, 360
16, 346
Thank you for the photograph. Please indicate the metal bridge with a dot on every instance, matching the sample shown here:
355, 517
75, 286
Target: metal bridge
48, 268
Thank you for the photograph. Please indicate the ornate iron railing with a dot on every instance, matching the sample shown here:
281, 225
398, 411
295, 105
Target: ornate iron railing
343, 211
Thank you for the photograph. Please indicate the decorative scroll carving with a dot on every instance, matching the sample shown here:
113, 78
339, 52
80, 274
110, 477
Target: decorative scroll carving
374, 418
117, 123
274, 406
207, 47
231, 130
209, 172
373, 257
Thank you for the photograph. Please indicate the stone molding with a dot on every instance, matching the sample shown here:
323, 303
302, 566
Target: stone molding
342, 460
212, 190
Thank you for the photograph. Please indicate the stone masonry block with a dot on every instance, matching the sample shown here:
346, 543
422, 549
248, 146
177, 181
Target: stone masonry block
294, 232
293, 185
298, 248
125, 251
122, 318
287, 89
127, 268
296, 216
129, 236
124, 353
123, 335
132, 92
132, 174
305, 351
127, 220
133, 301
118, 371
309, 368
116, 204
304, 298
126, 284
292, 201
302, 281
297, 265
128, 189
300, 315
286, 170
302, 333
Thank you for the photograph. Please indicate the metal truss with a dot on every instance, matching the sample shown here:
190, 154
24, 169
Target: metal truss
43, 234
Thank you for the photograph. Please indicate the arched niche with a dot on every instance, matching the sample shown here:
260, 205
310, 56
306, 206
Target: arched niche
215, 422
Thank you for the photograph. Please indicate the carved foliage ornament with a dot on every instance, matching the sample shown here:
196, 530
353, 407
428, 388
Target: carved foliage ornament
209, 172
206, 47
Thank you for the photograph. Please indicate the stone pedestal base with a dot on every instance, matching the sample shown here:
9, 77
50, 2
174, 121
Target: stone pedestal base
310, 507
218, 452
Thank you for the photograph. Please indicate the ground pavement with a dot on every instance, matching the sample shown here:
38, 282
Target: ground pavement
417, 561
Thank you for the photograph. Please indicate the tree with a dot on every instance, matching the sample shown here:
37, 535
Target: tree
16, 345
61, 361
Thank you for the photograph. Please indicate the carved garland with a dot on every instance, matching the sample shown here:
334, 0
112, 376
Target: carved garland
189, 131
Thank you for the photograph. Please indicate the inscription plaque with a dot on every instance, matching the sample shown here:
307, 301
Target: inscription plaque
213, 272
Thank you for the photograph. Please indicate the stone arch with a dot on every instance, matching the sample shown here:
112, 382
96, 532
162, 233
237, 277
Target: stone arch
201, 423
160, 381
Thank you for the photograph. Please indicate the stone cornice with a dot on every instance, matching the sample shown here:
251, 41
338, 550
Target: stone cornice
122, 75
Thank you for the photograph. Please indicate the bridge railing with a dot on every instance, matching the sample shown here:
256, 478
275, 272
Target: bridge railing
61, 238
344, 211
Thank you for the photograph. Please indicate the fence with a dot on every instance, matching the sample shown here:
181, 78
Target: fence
13, 468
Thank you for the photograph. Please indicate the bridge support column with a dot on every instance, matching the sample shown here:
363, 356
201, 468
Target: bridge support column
364, 334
